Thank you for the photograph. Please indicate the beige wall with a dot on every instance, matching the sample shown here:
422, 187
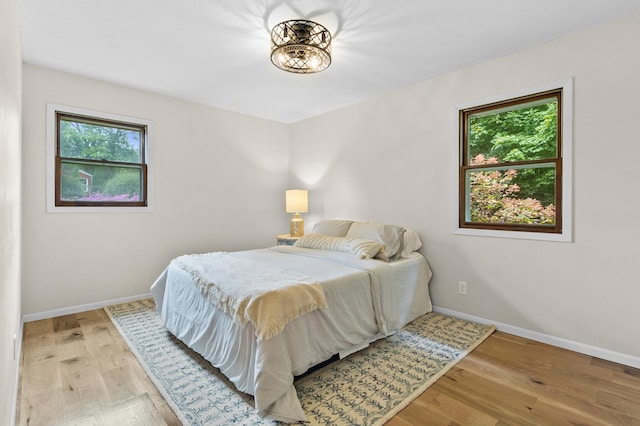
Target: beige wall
10, 164
393, 159
219, 176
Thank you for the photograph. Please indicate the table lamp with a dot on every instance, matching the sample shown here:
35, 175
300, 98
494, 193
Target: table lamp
296, 202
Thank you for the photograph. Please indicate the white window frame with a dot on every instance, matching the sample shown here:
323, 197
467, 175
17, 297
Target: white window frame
51, 160
567, 163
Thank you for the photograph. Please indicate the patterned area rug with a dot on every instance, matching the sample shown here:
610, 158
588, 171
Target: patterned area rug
365, 388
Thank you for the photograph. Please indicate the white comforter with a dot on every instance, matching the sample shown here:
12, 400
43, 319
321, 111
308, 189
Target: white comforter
366, 300
251, 286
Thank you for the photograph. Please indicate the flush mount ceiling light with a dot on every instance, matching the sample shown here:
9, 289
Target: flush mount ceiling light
300, 46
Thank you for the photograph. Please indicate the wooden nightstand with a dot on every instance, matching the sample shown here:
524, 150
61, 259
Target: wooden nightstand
286, 240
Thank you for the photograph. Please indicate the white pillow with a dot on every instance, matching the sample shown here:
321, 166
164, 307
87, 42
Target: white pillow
411, 243
332, 227
364, 249
389, 235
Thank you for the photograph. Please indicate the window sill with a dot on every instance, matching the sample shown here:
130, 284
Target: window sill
85, 209
565, 237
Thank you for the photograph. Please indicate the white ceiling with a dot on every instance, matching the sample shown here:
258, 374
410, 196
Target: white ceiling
216, 52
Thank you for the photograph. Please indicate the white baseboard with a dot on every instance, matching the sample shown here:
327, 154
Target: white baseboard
620, 358
571, 345
81, 308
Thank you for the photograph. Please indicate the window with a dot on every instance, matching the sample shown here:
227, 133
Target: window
512, 166
85, 184
97, 160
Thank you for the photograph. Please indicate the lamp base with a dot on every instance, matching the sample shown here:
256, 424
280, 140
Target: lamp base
296, 226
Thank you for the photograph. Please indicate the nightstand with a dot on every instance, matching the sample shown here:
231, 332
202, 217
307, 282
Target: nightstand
286, 240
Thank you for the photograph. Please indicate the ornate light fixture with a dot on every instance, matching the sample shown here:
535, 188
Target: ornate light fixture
300, 46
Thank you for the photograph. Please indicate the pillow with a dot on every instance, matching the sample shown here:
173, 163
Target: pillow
389, 235
332, 227
411, 243
364, 249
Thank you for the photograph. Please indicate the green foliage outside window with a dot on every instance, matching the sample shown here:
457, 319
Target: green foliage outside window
495, 198
99, 142
114, 155
522, 134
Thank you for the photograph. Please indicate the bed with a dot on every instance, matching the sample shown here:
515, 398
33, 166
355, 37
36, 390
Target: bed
335, 291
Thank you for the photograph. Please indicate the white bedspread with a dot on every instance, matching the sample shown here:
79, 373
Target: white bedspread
366, 300
252, 287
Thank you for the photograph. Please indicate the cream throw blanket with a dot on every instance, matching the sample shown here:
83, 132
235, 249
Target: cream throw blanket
250, 289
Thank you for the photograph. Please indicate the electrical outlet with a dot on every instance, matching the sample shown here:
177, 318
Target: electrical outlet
462, 288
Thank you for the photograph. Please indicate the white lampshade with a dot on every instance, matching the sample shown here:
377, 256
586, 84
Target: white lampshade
296, 201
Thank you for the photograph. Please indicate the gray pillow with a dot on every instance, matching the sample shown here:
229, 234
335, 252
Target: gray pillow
332, 227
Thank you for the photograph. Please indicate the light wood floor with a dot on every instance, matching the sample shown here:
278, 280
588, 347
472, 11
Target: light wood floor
77, 370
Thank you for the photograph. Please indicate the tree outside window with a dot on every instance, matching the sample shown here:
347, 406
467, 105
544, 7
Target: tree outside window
511, 164
99, 162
